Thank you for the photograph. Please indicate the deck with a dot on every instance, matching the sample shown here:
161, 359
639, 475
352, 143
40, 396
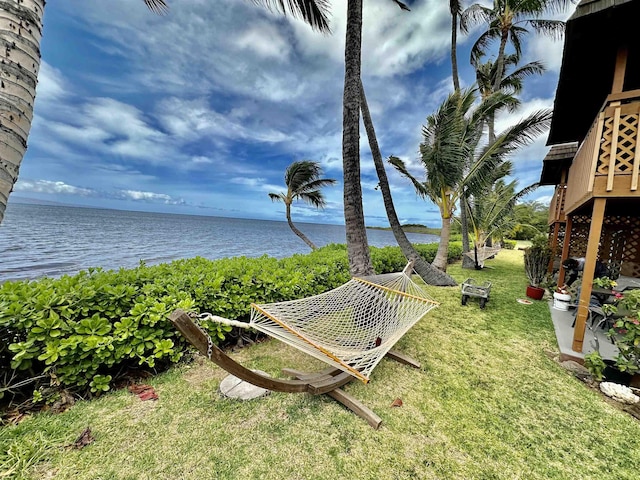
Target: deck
562, 321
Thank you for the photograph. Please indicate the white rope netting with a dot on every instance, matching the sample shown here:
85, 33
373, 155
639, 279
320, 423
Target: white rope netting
351, 327
484, 253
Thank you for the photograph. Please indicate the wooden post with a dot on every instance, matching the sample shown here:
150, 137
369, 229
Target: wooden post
565, 250
621, 67
597, 219
554, 246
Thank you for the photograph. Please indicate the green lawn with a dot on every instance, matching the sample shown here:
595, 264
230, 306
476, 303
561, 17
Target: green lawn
488, 403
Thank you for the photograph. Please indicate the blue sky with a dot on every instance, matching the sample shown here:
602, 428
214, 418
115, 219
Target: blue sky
200, 111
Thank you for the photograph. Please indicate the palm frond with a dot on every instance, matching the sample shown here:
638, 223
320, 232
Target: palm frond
474, 15
159, 7
551, 28
314, 198
315, 185
479, 48
313, 12
277, 197
421, 188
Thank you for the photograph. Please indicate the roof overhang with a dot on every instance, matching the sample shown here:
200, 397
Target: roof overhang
557, 160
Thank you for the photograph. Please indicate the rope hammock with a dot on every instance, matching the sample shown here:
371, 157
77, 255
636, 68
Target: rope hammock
484, 253
351, 327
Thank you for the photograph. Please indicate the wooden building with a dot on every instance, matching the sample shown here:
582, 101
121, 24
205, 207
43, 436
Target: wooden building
594, 160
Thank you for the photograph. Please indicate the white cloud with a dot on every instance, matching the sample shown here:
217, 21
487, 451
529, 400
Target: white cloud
253, 40
149, 196
51, 187
51, 83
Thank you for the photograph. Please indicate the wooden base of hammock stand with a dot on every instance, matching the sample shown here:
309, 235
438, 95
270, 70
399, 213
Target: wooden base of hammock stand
327, 381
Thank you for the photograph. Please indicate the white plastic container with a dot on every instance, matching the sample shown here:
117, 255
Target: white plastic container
561, 301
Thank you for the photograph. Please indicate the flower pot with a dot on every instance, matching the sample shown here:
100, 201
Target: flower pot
561, 301
535, 292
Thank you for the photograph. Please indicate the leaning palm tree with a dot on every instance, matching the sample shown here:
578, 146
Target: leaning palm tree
357, 244
430, 274
303, 183
21, 62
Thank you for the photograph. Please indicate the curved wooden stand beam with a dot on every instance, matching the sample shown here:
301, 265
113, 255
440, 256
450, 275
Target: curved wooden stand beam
320, 383
327, 382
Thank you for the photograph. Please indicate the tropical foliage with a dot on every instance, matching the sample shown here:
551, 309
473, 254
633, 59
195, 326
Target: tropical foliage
84, 328
457, 165
303, 183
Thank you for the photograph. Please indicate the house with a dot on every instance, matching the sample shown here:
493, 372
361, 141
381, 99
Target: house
594, 161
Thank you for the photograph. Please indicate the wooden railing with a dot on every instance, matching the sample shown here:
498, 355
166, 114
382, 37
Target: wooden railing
556, 209
607, 163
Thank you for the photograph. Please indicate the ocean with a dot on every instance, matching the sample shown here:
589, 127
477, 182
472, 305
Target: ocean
46, 240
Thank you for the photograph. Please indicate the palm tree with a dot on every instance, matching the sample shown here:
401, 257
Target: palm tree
453, 160
509, 21
443, 155
431, 275
493, 211
510, 83
21, 62
303, 183
357, 244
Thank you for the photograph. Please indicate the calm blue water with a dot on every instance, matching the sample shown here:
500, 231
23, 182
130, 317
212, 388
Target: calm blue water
44, 240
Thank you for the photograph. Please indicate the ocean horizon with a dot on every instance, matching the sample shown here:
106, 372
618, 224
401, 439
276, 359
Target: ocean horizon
38, 240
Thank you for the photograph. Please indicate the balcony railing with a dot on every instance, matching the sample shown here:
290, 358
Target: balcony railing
556, 209
607, 163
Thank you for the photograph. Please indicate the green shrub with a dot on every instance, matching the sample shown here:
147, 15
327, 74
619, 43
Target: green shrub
83, 330
509, 244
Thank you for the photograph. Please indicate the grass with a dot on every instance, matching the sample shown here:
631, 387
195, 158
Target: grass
488, 403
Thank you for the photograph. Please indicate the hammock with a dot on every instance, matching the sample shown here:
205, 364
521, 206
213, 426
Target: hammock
351, 327
484, 253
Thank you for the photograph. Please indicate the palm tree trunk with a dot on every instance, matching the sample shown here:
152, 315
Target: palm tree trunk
431, 275
298, 232
454, 49
500, 61
20, 39
440, 260
467, 262
357, 245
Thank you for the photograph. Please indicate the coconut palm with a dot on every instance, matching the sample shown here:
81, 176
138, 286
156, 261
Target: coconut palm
493, 211
453, 159
303, 183
21, 63
357, 244
429, 274
443, 155
510, 21
511, 83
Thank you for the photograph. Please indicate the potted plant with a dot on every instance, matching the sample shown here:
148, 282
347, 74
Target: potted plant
625, 334
536, 263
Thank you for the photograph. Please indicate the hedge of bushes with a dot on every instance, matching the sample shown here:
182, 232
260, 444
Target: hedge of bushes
78, 331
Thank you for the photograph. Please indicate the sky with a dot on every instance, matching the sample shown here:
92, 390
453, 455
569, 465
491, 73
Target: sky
200, 111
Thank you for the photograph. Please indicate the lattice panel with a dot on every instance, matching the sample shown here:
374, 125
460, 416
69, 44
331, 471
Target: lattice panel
625, 148
619, 246
579, 235
556, 253
630, 261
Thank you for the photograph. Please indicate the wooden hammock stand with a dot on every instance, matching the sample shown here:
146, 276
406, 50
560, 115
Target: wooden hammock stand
326, 382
